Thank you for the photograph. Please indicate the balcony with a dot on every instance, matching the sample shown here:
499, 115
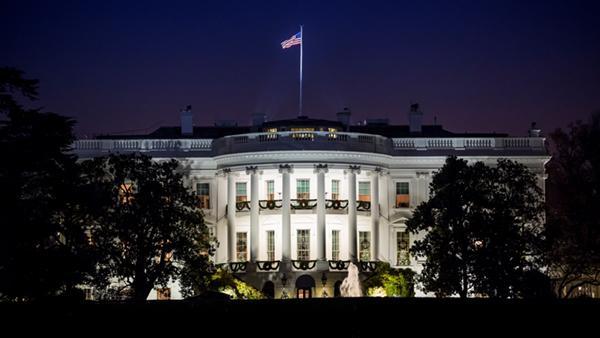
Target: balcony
314, 140
331, 206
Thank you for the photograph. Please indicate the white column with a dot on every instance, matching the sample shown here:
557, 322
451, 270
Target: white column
285, 171
375, 214
321, 169
253, 172
230, 216
352, 252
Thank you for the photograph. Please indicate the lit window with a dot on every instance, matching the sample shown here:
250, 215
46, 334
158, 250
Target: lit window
270, 190
364, 239
126, 191
402, 195
402, 246
240, 192
332, 133
335, 245
303, 133
203, 192
241, 246
335, 190
163, 294
271, 245
303, 245
303, 189
364, 191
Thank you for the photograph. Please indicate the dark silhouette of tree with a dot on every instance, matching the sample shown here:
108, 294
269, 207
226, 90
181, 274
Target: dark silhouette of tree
151, 225
483, 229
39, 255
574, 198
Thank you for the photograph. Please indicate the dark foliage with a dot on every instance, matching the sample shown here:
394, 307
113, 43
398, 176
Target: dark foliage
483, 229
150, 225
41, 252
574, 198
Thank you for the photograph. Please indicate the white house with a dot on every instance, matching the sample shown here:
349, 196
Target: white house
291, 202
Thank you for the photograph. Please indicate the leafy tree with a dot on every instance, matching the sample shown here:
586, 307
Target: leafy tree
221, 281
152, 224
390, 282
482, 229
40, 254
573, 198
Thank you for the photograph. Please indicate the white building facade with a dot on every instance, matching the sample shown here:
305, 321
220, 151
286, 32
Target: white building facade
292, 202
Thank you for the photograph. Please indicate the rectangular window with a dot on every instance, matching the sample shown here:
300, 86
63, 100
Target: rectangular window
402, 195
271, 245
335, 245
303, 189
364, 240
270, 190
126, 192
203, 193
240, 192
402, 246
335, 189
241, 246
303, 245
364, 191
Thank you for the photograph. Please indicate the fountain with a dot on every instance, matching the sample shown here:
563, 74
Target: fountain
351, 285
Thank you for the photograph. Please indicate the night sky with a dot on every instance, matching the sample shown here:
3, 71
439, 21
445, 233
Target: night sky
479, 66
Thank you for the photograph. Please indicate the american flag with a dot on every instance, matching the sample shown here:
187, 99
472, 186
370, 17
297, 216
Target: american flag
296, 39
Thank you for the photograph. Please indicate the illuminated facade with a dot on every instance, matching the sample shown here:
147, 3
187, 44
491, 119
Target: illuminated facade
291, 202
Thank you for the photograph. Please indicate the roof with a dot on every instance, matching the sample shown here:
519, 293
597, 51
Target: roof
214, 132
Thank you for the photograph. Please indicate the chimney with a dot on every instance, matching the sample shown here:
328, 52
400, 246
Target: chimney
187, 127
534, 131
258, 119
415, 118
344, 118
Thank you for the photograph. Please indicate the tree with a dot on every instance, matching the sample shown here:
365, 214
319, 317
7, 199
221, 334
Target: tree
39, 256
390, 282
573, 197
152, 225
482, 229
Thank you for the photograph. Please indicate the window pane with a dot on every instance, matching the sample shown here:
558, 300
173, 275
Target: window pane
240, 192
303, 245
402, 188
271, 245
402, 246
364, 191
364, 240
302, 189
270, 190
402, 195
203, 192
335, 245
242, 246
335, 189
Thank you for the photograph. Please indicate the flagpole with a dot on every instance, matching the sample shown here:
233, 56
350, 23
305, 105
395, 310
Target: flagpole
301, 46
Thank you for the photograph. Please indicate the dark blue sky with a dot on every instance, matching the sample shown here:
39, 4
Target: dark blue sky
477, 65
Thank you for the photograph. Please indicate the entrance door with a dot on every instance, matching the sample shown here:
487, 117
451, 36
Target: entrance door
303, 293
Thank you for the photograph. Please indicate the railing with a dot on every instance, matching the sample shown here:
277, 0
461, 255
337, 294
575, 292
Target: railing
336, 204
363, 206
268, 265
302, 140
270, 204
308, 140
464, 143
303, 204
143, 145
304, 264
